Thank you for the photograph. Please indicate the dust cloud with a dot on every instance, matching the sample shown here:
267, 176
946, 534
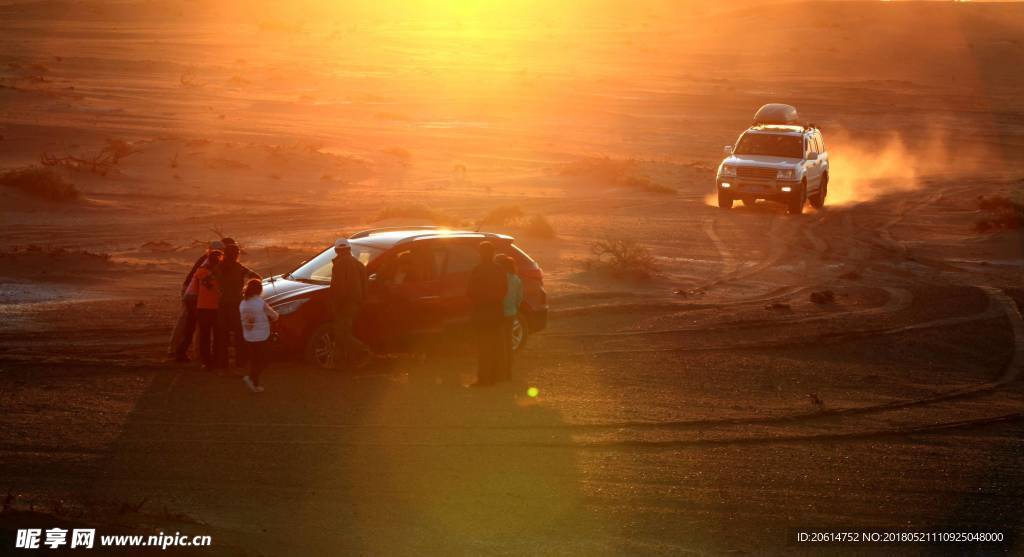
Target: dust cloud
864, 168
861, 169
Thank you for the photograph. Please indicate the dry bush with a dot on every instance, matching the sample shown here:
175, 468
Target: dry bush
539, 227
624, 257
415, 211
512, 215
1005, 214
36, 181
503, 216
643, 183
602, 168
100, 164
614, 172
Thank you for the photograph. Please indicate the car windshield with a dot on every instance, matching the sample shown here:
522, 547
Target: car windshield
772, 145
318, 269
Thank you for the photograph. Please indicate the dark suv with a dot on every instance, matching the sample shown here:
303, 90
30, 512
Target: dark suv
418, 279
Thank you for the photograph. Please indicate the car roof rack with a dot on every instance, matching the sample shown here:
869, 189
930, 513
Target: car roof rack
372, 231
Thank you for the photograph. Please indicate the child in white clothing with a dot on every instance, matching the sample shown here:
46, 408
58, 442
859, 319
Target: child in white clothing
256, 317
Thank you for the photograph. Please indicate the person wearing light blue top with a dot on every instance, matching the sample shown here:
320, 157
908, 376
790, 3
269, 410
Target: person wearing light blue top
510, 306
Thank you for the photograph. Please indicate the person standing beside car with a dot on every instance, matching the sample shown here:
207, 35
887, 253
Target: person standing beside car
256, 316
185, 328
207, 302
232, 277
347, 293
487, 288
510, 306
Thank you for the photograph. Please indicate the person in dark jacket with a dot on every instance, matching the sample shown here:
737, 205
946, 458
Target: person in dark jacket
185, 328
487, 287
348, 291
231, 277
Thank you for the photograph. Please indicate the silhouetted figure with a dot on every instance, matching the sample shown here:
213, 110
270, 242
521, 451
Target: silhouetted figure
185, 328
348, 291
510, 309
231, 276
207, 302
487, 287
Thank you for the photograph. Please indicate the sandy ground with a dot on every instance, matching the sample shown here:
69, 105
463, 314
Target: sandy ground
710, 409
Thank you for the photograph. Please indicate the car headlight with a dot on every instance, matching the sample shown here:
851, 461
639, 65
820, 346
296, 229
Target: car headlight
728, 170
289, 307
786, 174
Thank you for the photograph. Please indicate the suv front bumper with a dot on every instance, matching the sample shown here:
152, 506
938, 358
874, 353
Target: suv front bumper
764, 189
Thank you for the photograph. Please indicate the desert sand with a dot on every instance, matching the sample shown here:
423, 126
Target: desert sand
710, 408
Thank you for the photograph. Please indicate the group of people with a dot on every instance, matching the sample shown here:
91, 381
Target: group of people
221, 298
495, 292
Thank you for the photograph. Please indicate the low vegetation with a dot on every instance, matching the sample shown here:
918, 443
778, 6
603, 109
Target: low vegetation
503, 216
39, 182
1002, 214
539, 227
623, 173
536, 226
623, 257
415, 211
105, 160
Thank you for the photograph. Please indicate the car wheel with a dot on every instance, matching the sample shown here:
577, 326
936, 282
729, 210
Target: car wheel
749, 201
797, 200
818, 199
320, 347
520, 332
724, 200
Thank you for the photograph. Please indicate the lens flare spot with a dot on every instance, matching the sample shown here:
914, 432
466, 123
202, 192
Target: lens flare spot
532, 392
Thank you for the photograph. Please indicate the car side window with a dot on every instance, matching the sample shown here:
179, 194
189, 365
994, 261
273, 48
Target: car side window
419, 264
462, 257
810, 145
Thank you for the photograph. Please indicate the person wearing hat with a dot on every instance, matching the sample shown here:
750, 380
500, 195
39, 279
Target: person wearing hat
185, 328
348, 291
231, 277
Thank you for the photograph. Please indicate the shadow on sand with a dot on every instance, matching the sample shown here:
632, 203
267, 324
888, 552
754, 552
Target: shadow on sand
399, 459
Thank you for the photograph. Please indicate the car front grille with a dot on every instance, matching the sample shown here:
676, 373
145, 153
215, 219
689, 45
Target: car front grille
756, 172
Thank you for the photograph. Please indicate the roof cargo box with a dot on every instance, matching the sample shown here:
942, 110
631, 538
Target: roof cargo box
776, 114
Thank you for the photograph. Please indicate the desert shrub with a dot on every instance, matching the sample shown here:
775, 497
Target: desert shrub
40, 182
644, 184
605, 169
503, 216
539, 227
624, 256
100, 164
1004, 214
414, 211
613, 172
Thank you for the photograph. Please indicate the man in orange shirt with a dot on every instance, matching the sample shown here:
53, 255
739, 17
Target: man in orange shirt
207, 302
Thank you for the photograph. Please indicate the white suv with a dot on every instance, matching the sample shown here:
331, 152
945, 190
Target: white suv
775, 159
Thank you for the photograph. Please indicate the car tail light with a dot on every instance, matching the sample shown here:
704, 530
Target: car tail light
527, 267
533, 272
